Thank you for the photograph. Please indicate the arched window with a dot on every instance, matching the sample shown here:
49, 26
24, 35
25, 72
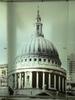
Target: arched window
44, 60
55, 62
35, 59
25, 59
3, 72
39, 59
37, 27
48, 60
30, 59
27, 79
52, 61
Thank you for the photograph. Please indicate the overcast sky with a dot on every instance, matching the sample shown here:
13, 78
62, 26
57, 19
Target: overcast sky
3, 33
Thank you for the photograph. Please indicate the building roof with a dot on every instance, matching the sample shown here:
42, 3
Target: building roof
3, 65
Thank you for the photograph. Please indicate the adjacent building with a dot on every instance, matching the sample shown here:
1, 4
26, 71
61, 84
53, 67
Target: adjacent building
38, 70
71, 75
3, 80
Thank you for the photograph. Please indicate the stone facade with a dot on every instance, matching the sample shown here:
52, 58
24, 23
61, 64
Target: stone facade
3, 80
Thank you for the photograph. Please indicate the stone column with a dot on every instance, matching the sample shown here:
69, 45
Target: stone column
19, 80
22, 76
31, 79
54, 81
44, 80
24, 79
65, 83
59, 83
13, 86
49, 84
62, 84
37, 77
15, 80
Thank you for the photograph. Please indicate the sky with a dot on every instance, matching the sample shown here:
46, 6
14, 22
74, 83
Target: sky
58, 20
3, 33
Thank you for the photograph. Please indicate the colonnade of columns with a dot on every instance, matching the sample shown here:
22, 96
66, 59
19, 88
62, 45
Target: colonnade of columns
22, 80
18, 80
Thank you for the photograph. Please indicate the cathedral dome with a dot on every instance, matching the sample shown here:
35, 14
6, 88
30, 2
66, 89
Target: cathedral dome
39, 46
38, 68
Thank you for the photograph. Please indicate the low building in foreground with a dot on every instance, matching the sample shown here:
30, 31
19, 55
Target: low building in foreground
3, 80
38, 70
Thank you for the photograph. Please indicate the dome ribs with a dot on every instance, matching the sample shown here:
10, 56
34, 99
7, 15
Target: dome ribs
38, 46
